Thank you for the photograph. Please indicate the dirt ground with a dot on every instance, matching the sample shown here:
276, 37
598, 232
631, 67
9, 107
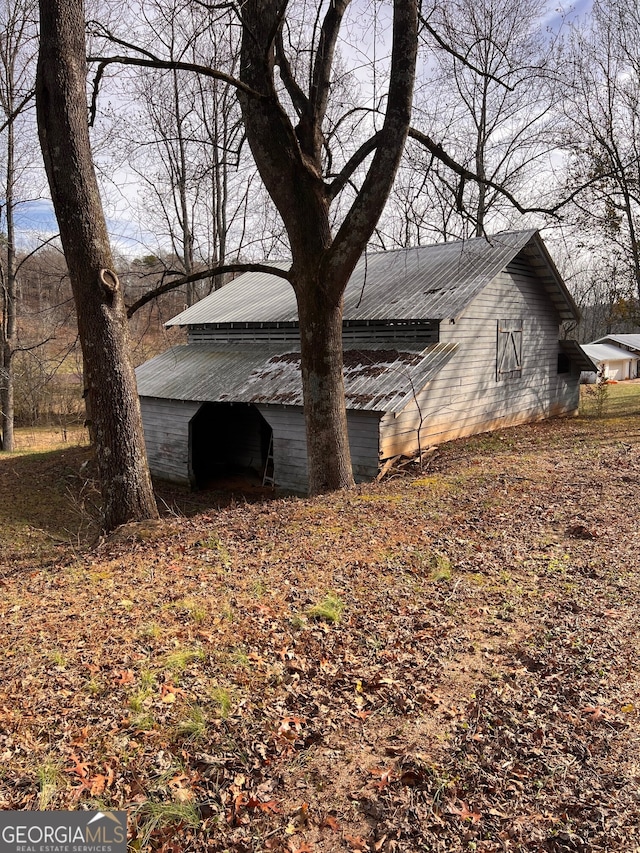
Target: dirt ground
443, 661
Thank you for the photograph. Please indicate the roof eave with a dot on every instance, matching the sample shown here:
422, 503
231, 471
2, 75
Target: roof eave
566, 307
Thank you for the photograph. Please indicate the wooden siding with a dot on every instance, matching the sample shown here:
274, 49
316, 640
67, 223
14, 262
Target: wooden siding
467, 396
166, 435
290, 446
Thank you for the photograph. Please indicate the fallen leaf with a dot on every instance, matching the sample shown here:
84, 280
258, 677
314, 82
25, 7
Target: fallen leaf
594, 711
332, 822
356, 842
80, 768
97, 785
123, 676
464, 813
305, 847
386, 776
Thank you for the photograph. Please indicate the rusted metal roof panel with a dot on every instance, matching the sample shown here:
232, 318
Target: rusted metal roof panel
381, 379
425, 282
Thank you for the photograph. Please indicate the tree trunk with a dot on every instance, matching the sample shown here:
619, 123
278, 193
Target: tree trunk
7, 400
102, 324
11, 295
328, 452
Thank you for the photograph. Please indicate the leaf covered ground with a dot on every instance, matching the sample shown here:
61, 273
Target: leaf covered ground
444, 661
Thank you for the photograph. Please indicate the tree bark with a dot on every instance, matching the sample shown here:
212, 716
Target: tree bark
321, 357
102, 324
9, 331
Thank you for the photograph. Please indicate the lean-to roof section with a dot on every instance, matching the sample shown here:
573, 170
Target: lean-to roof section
383, 378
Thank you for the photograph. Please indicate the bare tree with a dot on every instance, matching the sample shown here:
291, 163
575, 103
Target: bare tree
286, 81
183, 141
290, 160
603, 135
489, 99
17, 72
110, 381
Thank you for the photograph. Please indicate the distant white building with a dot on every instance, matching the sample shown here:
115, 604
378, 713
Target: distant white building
618, 354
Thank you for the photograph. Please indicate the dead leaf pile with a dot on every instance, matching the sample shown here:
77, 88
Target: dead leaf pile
443, 661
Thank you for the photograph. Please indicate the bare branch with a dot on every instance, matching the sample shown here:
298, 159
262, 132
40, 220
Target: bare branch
324, 60
298, 97
193, 67
168, 286
344, 176
24, 259
15, 113
456, 55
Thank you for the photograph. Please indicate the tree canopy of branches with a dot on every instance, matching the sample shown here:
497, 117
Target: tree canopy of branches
603, 130
489, 96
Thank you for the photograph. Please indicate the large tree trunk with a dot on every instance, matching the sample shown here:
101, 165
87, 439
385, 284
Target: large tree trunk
328, 452
102, 324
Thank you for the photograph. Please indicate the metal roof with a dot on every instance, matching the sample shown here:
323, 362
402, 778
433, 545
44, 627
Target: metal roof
577, 355
380, 378
607, 352
631, 341
421, 283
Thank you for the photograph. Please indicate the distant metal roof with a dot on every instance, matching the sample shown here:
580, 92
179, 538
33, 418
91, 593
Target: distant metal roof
631, 341
607, 352
381, 379
421, 283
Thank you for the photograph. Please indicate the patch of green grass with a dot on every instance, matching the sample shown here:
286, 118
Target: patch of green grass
153, 817
149, 631
195, 611
57, 658
558, 565
622, 400
194, 725
441, 568
329, 610
258, 588
217, 548
143, 722
222, 701
367, 497
93, 687
50, 781
180, 659
240, 658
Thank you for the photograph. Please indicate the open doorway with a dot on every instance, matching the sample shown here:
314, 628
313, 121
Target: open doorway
226, 440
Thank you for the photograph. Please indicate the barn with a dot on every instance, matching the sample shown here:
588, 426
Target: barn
440, 341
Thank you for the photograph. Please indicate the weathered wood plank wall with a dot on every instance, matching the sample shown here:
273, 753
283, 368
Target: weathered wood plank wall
166, 435
466, 397
290, 445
